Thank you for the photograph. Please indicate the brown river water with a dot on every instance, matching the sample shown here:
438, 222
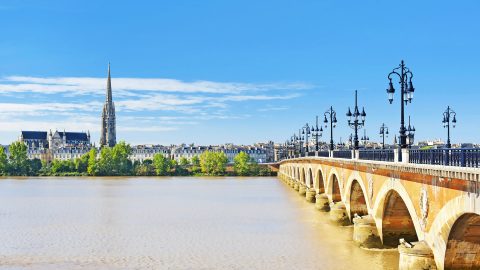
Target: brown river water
171, 223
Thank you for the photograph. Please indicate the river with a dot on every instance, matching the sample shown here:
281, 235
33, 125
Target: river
171, 223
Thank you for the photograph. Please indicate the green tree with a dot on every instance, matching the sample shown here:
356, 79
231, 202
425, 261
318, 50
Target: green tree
35, 166
18, 161
46, 168
92, 162
81, 164
122, 165
196, 165
213, 163
184, 161
254, 168
145, 168
104, 166
3, 161
112, 161
265, 171
182, 167
60, 167
162, 165
241, 164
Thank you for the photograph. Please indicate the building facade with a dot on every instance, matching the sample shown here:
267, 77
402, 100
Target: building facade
144, 152
55, 145
257, 154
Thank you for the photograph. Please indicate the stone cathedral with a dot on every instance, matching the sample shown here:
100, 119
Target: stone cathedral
108, 133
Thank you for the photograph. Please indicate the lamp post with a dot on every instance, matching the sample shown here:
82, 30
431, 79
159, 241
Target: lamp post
357, 122
333, 123
383, 134
306, 131
316, 132
405, 80
449, 113
294, 144
410, 133
365, 138
300, 142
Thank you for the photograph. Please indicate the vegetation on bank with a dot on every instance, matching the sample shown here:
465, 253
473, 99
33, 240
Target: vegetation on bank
114, 161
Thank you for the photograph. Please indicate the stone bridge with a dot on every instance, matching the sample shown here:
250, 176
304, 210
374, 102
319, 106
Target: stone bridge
435, 209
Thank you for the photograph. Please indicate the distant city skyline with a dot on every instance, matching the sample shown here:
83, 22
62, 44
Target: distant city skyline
216, 72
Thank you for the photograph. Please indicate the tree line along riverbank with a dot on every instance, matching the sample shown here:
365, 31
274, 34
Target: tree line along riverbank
115, 161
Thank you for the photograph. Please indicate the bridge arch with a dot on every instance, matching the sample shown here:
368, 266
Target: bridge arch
395, 214
334, 190
303, 176
320, 181
463, 246
442, 226
297, 176
396, 221
356, 196
310, 178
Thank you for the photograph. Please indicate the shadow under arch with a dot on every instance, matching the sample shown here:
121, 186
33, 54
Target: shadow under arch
335, 189
320, 182
358, 203
397, 222
463, 246
310, 178
302, 176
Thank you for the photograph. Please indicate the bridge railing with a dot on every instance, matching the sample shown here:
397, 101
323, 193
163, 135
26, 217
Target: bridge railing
324, 153
342, 154
377, 154
460, 157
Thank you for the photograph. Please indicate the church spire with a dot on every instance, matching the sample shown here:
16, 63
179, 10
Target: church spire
108, 133
109, 85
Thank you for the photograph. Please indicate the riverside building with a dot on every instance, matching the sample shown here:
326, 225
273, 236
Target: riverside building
50, 145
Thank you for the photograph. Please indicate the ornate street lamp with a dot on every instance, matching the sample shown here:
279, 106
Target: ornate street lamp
292, 147
293, 141
357, 122
365, 138
410, 133
405, 80
300, 141
383, 134
449, 113
316, 132
333, 123
306, 131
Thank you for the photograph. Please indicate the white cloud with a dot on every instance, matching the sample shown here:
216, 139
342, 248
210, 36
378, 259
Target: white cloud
269, 108
52, 107
89, 85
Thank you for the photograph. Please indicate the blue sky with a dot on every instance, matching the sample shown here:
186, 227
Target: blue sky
212, 72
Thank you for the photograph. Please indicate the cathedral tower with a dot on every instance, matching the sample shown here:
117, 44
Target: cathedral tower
108, 136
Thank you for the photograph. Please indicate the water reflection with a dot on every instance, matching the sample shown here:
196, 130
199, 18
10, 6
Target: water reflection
171, 223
